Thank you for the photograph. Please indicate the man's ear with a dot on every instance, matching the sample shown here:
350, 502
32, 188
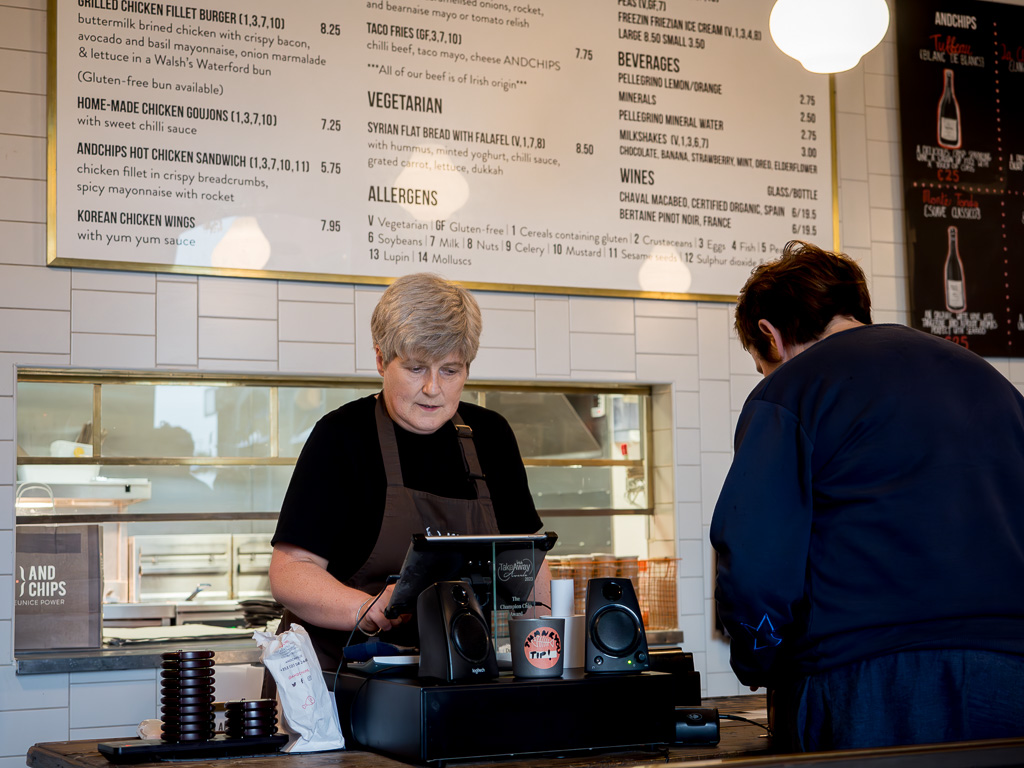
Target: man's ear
774, 337
380, 360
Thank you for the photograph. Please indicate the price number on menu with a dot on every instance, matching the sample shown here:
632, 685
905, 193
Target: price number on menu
586, 54
330, 167
326, 28
330, 124
808, 117
330, 225
808, 134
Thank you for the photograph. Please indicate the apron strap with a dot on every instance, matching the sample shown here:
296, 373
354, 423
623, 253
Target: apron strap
469, 457
388, 444
393, 464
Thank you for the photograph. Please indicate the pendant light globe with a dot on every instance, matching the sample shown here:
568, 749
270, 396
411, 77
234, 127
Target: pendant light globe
828, 35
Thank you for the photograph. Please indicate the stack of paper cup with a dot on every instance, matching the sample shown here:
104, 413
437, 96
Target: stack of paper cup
574, 642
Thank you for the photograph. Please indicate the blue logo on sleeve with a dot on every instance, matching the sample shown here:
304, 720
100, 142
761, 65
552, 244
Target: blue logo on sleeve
763, 634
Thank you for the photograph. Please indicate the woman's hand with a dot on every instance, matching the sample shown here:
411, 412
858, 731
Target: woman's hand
371, 618
300, 582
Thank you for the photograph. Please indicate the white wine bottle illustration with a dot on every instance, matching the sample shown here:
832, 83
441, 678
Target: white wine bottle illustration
956, 300
949, 114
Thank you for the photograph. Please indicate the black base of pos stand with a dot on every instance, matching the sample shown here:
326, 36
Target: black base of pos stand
430, 722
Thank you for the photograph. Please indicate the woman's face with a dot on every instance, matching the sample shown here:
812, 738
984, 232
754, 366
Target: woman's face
420, 395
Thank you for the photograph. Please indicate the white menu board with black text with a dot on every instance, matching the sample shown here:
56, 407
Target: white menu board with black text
629, 147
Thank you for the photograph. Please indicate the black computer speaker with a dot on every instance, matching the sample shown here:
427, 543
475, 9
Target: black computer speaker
616, 641
455, 641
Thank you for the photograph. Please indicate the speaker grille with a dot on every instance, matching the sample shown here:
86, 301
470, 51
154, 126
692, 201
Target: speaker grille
616, 631
471, 637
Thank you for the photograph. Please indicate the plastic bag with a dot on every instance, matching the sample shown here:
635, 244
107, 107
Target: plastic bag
308, 710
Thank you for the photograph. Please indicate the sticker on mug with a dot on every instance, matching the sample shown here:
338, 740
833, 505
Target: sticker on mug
543, 647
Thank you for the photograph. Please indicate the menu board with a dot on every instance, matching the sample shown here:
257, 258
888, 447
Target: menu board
961, 97
615, 147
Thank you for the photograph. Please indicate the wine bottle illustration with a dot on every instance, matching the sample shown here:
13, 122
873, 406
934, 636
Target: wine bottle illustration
949, 114
956, 300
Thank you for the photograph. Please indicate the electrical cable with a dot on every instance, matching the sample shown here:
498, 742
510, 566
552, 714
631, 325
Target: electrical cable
745, 720
343, 661
387, 583
355, 699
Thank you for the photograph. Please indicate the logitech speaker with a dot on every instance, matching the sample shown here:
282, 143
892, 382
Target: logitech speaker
616, 641
455, 641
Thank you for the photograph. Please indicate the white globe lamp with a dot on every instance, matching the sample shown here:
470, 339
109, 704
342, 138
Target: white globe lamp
828, 35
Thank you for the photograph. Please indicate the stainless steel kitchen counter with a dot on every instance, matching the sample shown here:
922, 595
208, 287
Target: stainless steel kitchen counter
147, 655
139, 656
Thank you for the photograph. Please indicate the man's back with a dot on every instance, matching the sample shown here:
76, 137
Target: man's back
878, 488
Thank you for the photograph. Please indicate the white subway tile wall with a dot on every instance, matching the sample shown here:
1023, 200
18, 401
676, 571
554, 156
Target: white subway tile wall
238, 297
316, 321
316, 358
104, 319
366, 299
112, 350
496, 363
551, 335
106, 312
509, 328
116, 701
105, 280
177, 323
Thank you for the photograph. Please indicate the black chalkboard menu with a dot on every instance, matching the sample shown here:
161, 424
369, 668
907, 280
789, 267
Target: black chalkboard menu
961, 98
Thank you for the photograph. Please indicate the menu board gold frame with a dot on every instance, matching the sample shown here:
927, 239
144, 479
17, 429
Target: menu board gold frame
651, 148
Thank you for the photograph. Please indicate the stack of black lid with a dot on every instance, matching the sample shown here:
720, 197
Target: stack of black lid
186, 687
250, 718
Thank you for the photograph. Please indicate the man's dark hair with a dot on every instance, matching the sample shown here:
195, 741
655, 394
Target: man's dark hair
799, 294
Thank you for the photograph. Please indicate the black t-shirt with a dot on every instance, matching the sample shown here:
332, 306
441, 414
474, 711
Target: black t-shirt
335, 501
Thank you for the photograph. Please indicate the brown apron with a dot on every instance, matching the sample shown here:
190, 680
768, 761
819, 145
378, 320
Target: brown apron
406, 511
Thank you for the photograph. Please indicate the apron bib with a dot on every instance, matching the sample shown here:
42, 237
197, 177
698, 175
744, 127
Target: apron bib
407, 511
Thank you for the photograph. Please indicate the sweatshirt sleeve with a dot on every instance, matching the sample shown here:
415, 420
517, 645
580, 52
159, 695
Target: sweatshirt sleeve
761, 530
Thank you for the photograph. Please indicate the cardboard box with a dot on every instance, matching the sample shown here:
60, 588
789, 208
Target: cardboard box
58, 587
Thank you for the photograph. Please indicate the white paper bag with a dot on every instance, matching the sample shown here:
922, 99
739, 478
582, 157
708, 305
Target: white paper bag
309, 711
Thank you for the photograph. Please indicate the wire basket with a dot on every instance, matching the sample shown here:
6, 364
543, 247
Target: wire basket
657, 593
654, 582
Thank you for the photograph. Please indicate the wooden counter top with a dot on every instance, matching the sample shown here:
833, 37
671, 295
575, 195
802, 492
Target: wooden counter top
742, 745
738, 739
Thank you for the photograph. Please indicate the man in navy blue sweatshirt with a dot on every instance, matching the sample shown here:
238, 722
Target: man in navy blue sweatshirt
870, 532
